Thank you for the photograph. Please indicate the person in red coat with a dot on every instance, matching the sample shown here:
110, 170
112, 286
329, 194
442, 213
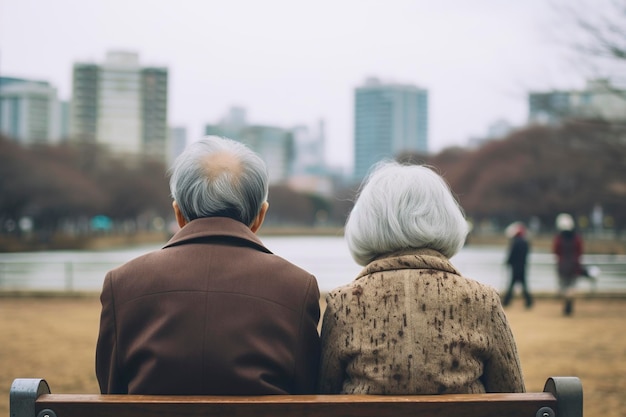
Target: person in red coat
568, 248
214, 311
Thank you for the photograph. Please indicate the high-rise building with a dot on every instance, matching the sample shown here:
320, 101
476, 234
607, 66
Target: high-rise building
275, 145
177, 143
599, 100
121, 105
30, 112
309, 150
389, 118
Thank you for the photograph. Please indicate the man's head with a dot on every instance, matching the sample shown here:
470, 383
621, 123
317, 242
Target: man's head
219, 177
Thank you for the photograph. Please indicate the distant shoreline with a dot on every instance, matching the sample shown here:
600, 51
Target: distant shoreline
542, 243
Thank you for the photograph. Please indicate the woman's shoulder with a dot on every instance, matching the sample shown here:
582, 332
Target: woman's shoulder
389, 272
478, 289
352, 288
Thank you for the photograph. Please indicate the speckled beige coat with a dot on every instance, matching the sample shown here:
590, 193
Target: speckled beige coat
411, 324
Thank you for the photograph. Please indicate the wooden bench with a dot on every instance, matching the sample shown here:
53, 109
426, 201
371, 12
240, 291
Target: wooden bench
562, 397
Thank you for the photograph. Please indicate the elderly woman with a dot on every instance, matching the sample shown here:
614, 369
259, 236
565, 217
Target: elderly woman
410, 323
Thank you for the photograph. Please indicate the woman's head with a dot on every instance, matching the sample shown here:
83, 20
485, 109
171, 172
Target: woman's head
404, 207
564, 222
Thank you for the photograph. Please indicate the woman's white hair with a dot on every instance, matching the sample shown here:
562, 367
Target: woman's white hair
403, 207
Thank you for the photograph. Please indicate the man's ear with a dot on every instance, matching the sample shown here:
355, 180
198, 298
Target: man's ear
180, 219
258, 221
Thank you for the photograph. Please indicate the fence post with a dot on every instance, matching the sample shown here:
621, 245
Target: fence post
69, 276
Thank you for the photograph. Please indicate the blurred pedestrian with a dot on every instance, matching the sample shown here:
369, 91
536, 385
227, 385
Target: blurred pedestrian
568, 248
516, 260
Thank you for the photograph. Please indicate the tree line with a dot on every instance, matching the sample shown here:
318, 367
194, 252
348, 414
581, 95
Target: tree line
539, 171
62, 188
70, 184
531, 175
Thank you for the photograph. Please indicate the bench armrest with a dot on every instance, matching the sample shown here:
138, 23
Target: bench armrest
568, 391
24, 392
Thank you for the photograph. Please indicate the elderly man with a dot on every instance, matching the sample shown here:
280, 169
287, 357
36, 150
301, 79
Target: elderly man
213, 311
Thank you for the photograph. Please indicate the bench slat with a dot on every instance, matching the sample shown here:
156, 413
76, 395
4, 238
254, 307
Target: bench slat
562, 397
469, 405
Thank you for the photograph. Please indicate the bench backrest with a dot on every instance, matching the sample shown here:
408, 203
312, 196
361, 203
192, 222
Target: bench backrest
562, 397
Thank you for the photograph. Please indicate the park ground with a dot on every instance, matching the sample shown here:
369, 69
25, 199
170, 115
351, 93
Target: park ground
54, 338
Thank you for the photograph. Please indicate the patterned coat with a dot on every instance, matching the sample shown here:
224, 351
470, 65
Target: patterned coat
411, 324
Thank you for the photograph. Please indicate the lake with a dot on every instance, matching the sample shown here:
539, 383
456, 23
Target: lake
326, 257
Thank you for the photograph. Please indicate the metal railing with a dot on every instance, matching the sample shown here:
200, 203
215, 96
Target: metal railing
68, 276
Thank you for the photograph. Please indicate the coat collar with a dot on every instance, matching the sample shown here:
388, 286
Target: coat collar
410, 259
216, 229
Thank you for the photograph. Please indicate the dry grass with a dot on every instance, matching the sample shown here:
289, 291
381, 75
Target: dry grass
54, 338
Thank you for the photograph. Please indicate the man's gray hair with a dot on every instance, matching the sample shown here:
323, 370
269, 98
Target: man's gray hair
403, 207
204, 187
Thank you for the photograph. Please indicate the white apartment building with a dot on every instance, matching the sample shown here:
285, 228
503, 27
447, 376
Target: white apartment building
121, 105
30, 112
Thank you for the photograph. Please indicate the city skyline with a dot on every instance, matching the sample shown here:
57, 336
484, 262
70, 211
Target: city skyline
292, 64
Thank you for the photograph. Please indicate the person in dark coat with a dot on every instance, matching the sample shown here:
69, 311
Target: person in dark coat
517, 259
214, 312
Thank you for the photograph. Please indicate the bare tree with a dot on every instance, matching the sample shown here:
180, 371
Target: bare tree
595, 31
604, 30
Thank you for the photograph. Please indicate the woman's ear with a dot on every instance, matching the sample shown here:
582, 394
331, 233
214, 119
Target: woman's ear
180, 219
258, 221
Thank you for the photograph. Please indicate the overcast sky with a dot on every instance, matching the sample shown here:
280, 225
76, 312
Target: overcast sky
292, 62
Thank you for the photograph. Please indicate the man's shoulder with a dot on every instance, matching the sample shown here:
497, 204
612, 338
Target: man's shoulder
244, 260
274, 260
142, 259
126, 274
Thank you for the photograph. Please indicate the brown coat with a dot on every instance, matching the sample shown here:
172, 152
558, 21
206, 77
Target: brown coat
410, 324
213, 312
